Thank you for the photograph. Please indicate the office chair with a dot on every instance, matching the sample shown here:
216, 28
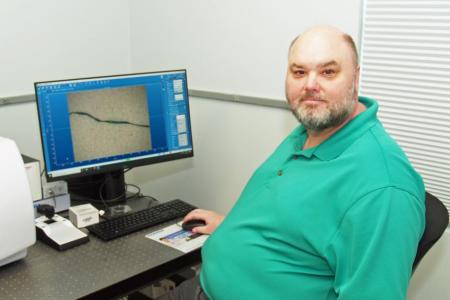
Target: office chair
436, 221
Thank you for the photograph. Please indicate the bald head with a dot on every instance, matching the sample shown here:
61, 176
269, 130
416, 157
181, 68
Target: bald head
331, 33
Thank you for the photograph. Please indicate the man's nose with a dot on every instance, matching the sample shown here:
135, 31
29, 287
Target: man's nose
311, 83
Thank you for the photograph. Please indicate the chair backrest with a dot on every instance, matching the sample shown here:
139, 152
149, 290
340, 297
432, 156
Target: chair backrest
436, 221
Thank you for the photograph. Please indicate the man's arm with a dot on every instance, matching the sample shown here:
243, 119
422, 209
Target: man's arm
375, 245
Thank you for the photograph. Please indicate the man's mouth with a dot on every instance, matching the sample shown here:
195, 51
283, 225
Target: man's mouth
312, 101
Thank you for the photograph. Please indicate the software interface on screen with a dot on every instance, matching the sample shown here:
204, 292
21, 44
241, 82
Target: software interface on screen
92, 124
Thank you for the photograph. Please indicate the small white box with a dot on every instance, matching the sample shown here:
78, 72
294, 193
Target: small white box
83, 215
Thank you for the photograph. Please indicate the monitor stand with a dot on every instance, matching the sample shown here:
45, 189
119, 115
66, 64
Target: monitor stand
112, 185
108, 186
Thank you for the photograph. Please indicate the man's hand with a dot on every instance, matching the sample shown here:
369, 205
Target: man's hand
212, 220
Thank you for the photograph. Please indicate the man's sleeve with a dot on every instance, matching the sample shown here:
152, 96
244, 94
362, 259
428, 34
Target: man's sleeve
375, 245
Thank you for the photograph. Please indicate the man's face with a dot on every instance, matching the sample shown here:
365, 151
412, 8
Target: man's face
322, 80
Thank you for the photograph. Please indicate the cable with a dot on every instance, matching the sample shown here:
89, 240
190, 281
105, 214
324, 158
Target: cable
149, 197
135, 195
121, 196
100, 193
107, 202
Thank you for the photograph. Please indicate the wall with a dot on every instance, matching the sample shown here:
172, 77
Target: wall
229, 46
430, 280
49, 39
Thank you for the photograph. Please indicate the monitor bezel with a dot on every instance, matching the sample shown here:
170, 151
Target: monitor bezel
123, 165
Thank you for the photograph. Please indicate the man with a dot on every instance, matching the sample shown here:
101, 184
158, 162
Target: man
336, 212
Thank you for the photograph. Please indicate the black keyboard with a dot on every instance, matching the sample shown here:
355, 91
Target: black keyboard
154, 215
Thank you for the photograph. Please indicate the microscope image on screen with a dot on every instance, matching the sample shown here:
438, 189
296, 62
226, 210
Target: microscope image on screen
109, 122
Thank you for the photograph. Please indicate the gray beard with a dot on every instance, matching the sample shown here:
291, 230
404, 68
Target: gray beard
334, 116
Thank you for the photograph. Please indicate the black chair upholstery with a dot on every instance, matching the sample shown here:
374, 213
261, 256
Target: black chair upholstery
436, 221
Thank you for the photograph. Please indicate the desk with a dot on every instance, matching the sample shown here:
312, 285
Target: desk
95, 270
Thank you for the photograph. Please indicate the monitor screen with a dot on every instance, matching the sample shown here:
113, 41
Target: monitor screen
104, 124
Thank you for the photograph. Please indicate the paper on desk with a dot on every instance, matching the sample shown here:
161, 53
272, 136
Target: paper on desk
174, 236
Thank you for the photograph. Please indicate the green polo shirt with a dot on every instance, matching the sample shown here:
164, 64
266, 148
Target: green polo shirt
341, 220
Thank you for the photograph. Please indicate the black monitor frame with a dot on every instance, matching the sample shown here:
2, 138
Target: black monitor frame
106, 183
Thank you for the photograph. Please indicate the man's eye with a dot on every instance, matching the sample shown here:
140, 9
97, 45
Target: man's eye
329, 72
299, 72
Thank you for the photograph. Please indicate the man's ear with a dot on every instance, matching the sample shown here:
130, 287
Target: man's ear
356, 81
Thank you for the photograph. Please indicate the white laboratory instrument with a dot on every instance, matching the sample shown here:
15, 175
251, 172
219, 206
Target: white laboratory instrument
17, 231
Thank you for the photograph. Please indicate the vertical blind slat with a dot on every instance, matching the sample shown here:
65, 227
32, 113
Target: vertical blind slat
404, 62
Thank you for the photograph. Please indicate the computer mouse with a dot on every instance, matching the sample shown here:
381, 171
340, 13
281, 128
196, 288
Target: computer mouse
188, 225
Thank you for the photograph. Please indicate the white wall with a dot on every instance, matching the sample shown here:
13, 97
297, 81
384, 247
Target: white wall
232, 46
50, 39
431, 278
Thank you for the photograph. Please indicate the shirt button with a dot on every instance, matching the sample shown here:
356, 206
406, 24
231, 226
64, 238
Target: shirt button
295, 157
280, 172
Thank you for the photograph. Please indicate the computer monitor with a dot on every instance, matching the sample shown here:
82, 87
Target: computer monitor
92, 129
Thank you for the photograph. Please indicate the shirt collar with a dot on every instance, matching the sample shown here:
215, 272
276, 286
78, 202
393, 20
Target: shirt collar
343, 138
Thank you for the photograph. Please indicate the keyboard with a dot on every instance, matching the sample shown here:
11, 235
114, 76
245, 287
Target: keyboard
151, 216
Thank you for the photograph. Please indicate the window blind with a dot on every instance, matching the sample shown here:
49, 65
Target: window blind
405, 66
